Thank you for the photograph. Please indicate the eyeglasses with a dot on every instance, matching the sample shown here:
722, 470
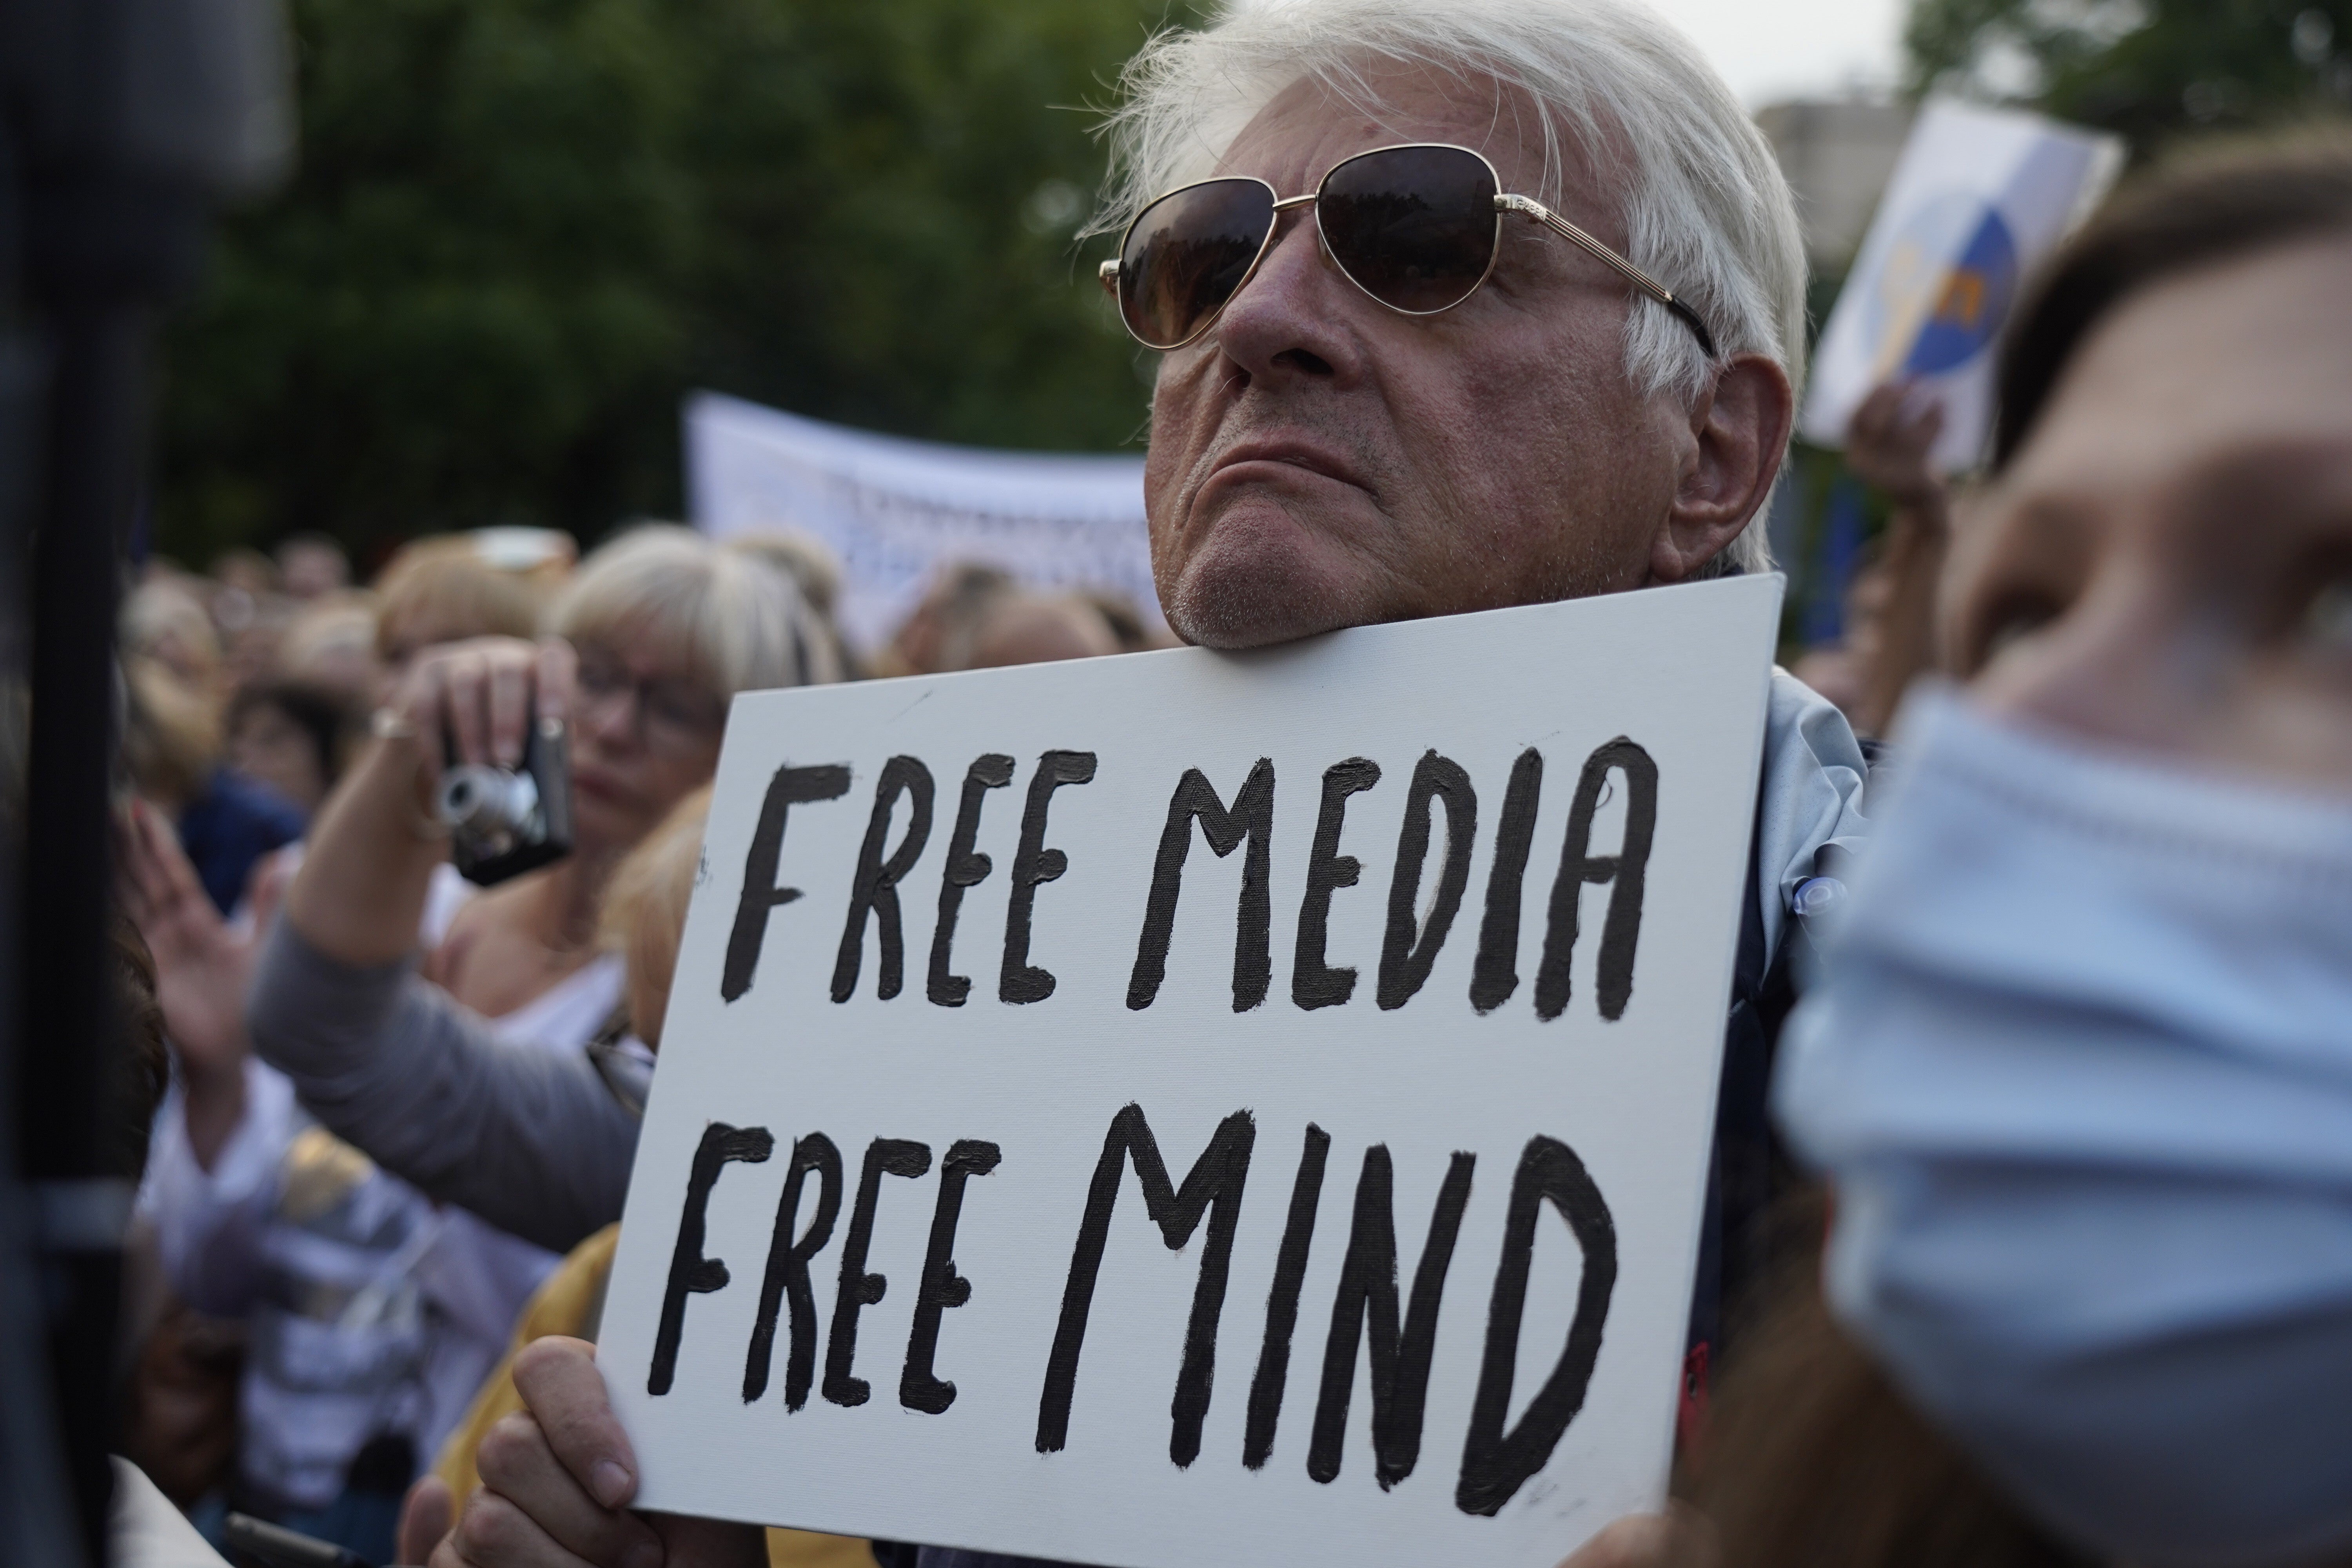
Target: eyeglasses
1416, 227
673, 715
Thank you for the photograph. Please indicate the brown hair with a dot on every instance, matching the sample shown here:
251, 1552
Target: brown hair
326, 717
443, 586
1813, 1459
2211, 205
143, 1064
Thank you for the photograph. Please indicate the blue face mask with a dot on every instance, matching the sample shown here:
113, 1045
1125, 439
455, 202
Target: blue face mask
2081, 1074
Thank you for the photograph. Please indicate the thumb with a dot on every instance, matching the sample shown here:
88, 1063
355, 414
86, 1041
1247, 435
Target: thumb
425, 1518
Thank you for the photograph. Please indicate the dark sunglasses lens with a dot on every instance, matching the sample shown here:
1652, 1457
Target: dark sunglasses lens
1187, 254
1414, 227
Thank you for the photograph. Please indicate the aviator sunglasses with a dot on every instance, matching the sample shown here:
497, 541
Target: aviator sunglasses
1416, 227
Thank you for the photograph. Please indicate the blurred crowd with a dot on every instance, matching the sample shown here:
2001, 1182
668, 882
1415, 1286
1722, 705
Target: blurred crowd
312, 1329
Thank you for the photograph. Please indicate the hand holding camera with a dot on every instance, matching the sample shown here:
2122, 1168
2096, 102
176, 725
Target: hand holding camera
498, 783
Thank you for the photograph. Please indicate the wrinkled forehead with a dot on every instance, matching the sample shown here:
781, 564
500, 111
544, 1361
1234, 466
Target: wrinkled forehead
1320, 119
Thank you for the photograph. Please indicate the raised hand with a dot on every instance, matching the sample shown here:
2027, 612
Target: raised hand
200, 969
1888, 441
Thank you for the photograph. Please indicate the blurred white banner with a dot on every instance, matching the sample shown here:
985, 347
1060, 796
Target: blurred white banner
895, 511
1980, 197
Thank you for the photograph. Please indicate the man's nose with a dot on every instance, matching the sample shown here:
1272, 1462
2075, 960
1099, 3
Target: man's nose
1290, 320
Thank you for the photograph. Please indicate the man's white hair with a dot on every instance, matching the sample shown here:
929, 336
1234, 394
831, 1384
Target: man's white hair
1707, 209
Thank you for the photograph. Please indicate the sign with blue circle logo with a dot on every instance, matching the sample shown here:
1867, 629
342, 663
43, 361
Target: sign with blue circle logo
1951, 279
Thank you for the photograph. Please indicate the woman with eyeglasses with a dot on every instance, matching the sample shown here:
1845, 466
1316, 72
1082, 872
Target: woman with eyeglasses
439, 1123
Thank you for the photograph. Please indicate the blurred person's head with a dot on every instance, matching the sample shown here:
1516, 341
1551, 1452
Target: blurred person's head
1126, 624
813, 568
444, 589
1320, 459
330, 642
164, 618
937, 636
309, 564
807, 559
171, 733
668, 627
1038, 628
292, 735
543, 557
247, 570
644, 916
2079, 1071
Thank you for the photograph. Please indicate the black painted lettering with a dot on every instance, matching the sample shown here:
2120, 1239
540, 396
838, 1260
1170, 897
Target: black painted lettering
966, 867
941, 1286
1496, 974
1495, 1463
790, 787
1366, 1307
1252, 818
1032, 863
690, 1273
859, 1290
787, 1273
1412, 948
1621, 931
1213, 1186
1313, 983
874, 889
1282, 1300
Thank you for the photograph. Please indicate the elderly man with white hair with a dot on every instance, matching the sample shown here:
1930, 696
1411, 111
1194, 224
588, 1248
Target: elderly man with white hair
1463, 304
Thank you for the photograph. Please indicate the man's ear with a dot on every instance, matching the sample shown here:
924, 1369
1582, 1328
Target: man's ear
1739, 432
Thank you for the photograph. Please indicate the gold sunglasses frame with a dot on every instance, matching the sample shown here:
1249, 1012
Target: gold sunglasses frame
1526, 205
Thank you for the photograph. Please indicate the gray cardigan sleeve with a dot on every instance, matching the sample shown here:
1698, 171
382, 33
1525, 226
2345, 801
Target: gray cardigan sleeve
528, 1138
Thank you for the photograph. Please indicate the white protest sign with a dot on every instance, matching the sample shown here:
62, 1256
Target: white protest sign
1193, 1108
896, 510
1980, 196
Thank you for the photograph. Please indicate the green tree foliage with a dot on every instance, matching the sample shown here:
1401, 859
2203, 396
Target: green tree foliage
522, 229
2150, 69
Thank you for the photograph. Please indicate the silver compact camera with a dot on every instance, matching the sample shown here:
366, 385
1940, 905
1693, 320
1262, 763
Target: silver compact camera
503, 821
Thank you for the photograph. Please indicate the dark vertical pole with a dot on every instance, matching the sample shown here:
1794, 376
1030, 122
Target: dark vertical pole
66, 1072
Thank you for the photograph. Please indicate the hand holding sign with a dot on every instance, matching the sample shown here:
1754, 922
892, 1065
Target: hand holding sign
1103, 1239
1979, 197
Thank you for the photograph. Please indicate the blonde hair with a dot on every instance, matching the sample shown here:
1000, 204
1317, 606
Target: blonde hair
643, 918
443, 585
163, 619
171, 732
741, 622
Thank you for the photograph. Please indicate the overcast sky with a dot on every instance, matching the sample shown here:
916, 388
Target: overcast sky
1774, 49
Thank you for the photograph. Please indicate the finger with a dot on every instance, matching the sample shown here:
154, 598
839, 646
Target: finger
1870, 415
558, 669
517, 1465
461, 699
426, 1516
509, 706
131, 869
494, 1533
171, 881
560, 1384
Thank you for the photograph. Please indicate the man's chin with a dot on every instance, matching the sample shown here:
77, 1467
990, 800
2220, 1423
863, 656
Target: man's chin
1253, 586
